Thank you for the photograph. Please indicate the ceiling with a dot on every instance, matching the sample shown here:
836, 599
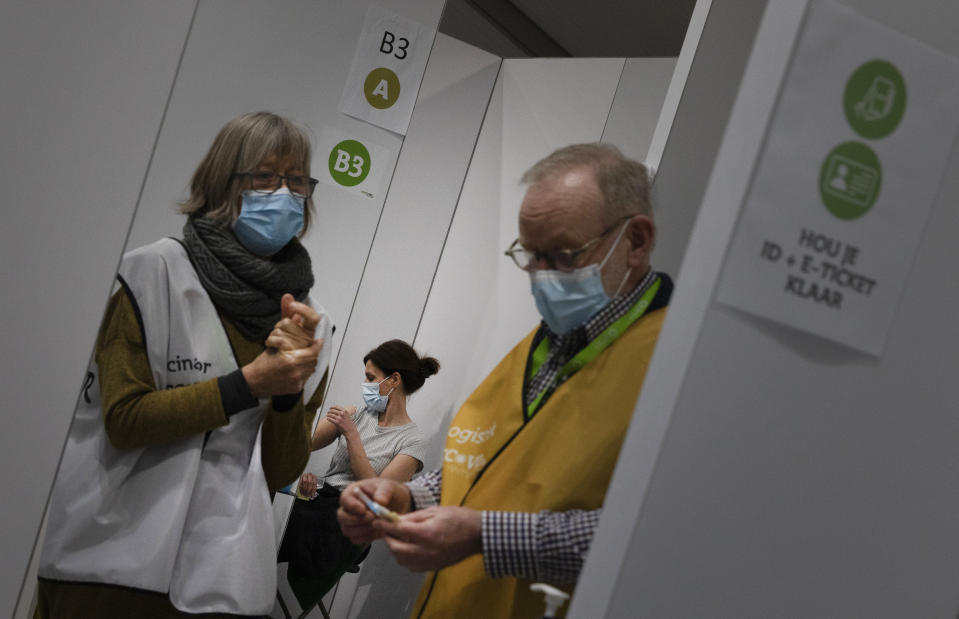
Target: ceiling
598, 28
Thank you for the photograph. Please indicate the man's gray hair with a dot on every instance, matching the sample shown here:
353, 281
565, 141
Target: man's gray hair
623, 182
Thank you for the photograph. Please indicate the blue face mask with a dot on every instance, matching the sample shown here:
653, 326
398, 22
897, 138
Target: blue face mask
566, 300
375, 402
268, 221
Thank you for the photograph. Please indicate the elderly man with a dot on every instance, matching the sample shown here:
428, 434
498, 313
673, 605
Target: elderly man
519, 500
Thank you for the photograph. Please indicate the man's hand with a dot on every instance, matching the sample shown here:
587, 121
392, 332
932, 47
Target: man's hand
434, 537
356, 520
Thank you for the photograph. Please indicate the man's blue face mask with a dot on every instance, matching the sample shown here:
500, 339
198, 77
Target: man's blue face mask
567, 299
268, 221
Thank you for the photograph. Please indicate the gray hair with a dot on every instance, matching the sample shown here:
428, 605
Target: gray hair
623, 182
240, 146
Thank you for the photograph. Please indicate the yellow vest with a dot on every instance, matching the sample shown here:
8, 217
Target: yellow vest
562, 458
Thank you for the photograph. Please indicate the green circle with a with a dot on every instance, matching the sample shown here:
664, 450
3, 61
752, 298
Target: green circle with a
349, 163
875, 99
849, 180
382, 88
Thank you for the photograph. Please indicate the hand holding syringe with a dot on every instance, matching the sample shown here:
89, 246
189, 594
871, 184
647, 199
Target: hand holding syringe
376, 508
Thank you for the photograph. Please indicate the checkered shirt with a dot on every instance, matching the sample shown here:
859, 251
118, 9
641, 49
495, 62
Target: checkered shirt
543, 546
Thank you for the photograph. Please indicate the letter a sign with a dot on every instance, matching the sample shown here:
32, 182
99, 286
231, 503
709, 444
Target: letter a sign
387, 70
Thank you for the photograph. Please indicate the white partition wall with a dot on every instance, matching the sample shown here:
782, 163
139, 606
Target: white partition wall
84, 92
398, 273
772, 473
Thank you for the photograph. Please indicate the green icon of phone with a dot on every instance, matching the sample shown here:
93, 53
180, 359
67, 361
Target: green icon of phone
875, 99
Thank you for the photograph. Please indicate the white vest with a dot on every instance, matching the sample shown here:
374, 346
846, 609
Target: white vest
191, 518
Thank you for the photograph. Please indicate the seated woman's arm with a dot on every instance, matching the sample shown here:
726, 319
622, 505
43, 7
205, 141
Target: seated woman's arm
341, 417
401, 468
324, 434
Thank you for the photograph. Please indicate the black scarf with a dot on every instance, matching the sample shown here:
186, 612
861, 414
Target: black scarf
243, 286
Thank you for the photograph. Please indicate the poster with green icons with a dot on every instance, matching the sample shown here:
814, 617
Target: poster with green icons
387, 69
853, 159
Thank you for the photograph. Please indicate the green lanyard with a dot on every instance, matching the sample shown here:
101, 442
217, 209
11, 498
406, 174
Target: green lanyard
592, 350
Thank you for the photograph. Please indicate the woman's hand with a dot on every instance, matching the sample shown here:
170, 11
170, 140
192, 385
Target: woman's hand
281, 372
342, 418
297, 325
291, 354
308, 485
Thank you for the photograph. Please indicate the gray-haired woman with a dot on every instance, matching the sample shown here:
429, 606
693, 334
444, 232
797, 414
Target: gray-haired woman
208, 369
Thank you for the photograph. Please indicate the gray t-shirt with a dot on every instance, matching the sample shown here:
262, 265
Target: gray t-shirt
380, 444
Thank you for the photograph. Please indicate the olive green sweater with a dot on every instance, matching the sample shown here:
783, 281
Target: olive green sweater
136, 414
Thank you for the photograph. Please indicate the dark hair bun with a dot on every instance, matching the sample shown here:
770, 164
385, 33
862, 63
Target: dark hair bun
398, 356
429, 366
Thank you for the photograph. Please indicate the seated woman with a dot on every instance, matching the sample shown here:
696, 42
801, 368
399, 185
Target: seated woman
376, 439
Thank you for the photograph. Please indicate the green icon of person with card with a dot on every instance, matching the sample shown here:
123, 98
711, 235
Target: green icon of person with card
849, 180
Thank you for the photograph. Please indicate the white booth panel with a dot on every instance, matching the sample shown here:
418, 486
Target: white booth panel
398, 273
636, 113
84, 91
637, 106
688, 135
797, 477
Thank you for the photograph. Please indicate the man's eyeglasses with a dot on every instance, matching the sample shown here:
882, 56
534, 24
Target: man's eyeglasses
268, 182
558, 259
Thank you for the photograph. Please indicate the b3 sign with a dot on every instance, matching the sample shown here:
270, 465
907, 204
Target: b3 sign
387, 69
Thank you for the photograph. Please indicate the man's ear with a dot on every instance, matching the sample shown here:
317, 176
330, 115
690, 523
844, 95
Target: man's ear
641, 233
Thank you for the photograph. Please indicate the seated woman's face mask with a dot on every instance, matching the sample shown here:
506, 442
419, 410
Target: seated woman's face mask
268, 221
375, 402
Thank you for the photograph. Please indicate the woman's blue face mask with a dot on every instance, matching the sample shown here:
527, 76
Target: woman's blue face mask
268, 221
375, 402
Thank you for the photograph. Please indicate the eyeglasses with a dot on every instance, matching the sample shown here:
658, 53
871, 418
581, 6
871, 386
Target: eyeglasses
268, 182
558, 259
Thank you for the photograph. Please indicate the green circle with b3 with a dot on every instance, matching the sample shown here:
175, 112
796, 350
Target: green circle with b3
875, 99
849, 180
349, 163
381, 88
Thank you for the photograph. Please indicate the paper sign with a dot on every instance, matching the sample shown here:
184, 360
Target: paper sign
852, 164
387, 69
353, 164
